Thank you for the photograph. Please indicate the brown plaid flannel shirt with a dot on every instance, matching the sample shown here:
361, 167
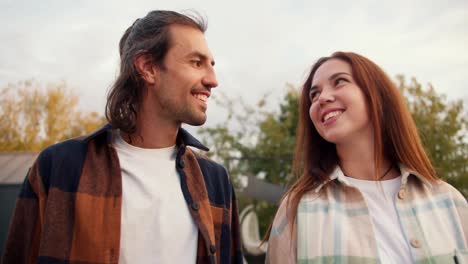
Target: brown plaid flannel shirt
69, 208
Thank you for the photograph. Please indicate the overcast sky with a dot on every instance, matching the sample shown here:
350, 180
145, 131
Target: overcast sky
258, 45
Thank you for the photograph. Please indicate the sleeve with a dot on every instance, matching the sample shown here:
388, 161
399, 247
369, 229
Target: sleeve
236, 248
460, 217
461, 206
22, 243
282, 244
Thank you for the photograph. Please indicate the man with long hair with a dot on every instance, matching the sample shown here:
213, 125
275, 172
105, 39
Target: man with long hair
133, 191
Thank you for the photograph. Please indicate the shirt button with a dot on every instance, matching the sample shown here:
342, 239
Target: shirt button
181, 164
415, 243
402, 194
212, 249
195, 206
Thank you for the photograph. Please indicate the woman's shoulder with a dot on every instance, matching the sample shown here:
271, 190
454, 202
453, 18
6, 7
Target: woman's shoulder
438, 191
281, 216
311, 196
284, 217
442, 187
283, 236
423, 189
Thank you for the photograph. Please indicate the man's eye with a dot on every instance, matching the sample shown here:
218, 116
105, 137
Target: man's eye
197, 63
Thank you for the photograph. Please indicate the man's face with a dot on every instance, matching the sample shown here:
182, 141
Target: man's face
184, 81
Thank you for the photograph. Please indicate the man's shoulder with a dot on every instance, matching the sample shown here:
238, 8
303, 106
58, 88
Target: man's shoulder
64, 148
66, 157
217, 181
206, 163
72, 147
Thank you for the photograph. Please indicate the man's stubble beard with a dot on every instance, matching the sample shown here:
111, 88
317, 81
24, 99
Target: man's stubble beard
184, 114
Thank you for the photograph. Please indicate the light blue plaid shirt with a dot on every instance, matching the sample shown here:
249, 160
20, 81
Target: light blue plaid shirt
333, 224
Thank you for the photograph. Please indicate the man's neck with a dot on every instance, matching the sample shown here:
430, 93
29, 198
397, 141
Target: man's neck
152, 132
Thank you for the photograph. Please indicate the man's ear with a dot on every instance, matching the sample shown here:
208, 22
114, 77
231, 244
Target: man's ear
146, 68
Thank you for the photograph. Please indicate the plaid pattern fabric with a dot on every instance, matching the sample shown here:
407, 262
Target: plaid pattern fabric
69, 208
333, 224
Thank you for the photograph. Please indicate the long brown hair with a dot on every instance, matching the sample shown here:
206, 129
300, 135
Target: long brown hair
395, 133
149, 35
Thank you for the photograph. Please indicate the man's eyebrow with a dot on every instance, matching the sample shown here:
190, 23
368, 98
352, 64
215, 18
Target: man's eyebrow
201, 56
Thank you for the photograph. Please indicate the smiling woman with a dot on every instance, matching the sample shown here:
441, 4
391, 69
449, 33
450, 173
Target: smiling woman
366, 191
334, 96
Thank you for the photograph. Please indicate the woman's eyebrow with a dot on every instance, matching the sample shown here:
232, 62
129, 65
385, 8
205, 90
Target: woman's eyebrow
333, 76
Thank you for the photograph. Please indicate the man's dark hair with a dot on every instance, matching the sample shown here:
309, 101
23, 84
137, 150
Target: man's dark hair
147, 35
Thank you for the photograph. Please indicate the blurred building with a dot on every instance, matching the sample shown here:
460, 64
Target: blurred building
14, 166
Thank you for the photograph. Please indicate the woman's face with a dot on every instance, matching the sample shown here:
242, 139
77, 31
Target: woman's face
338, 110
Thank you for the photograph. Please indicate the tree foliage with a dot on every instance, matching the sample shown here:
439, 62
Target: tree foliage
443, 128
34, 115
261, 142
256, 141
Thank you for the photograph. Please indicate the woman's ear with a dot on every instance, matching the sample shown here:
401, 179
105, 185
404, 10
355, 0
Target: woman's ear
146, 68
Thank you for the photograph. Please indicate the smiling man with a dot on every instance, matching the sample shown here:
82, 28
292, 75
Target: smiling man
133, 191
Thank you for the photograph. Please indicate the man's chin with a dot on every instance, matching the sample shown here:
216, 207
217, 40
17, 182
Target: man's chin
196, 120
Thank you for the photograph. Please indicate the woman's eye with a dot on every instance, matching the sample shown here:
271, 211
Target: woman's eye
340, 81
313, 95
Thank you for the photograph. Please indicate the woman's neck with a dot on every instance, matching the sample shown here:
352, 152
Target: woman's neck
357, 160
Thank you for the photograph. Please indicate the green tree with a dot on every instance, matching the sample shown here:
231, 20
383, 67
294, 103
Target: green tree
257, 141
443, 128
34, 115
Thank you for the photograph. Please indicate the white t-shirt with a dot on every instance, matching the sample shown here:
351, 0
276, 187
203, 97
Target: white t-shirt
156, 223
391, 242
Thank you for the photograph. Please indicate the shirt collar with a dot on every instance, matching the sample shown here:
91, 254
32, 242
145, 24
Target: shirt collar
339, 176
406, 173
183, 136
190, 140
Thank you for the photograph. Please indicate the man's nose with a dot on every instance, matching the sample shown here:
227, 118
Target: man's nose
209, 80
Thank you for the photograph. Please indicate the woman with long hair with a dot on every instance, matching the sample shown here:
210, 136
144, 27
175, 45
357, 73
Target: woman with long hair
366, 190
